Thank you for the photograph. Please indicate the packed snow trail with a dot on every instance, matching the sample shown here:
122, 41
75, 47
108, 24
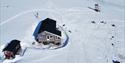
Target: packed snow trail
88, 43
25, 12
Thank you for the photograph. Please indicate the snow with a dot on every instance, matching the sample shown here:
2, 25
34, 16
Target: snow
88, 42
18, 58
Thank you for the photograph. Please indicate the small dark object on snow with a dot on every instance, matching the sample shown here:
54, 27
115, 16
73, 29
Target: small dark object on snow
115, 61
112, 36
63, 24
93, 22
33, 43
103, 22
97, 8
112, 44
113, 25
36, 15
70, 31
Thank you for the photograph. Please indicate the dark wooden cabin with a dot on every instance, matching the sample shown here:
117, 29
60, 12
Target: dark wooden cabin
11, 49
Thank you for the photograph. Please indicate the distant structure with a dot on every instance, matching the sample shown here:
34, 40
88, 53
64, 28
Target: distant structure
97, 9
46, 33
36, 15
11, 49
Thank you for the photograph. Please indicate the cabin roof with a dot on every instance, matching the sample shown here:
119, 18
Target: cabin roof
50, 26
12, 45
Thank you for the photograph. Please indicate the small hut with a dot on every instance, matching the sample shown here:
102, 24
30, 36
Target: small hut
11, 49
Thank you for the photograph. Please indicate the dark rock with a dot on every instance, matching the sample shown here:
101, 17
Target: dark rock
96, 5
93, 22
97, 10
112, 44
103, 22
112, 36
113, 25
63, 24
70, 31
33, 43
115, 61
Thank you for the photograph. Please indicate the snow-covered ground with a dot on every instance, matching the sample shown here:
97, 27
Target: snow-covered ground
99, 42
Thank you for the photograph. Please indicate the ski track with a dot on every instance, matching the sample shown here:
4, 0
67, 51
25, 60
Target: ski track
97, 49
23, 13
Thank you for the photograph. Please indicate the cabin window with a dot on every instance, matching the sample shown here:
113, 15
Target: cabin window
47, 37
58, 37
51, 36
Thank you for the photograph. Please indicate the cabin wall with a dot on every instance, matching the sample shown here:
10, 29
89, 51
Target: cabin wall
48, 37
8, 54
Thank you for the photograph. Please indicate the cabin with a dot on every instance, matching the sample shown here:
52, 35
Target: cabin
11, 49
46, 33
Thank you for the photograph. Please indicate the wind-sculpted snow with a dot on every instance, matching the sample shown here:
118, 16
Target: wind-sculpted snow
94, 37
